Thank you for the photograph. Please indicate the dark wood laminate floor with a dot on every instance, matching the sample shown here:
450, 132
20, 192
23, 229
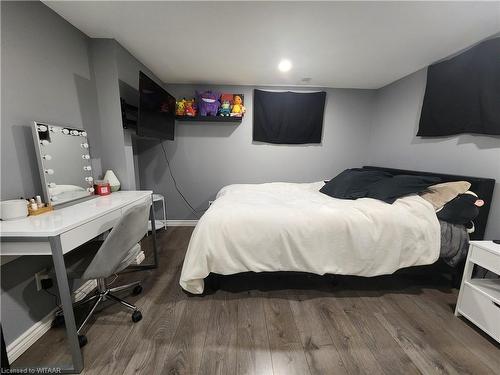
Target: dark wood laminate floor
279, 324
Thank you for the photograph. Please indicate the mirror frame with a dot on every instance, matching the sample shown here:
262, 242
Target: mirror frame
43, 177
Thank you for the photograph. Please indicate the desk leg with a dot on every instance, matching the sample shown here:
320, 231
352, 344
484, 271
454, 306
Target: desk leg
164, 214
153, 232
67, 304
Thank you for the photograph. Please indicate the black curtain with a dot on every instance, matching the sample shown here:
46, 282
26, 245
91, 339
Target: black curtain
463, 93
288, 117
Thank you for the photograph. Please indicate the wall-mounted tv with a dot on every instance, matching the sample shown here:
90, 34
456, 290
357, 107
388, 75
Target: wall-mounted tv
156, 110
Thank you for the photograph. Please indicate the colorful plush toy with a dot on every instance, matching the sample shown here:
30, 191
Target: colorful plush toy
180, 107
237, 109
226, 96
225, 108
208, 103
190, 108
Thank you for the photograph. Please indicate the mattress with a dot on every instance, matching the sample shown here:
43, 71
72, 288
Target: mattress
293, 227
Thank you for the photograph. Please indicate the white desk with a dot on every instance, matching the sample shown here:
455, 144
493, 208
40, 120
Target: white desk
58, 232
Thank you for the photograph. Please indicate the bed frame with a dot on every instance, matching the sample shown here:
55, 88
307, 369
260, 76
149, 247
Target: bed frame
483, 187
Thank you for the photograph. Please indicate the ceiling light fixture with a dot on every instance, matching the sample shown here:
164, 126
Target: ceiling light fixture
285, 65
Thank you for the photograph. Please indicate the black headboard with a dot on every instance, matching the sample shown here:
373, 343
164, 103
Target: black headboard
483, 187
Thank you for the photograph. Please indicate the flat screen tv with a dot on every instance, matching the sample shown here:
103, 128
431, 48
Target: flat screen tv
156, 110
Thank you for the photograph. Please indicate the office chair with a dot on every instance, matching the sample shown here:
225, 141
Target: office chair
118, 251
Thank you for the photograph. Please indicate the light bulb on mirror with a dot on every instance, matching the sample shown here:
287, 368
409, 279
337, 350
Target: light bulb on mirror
89, 179
47, 157
85, 145
49, 171
87, 157
44, 142
74, 132
83, 134
42, 128
90, 190
87, 168
52, 184
65, 131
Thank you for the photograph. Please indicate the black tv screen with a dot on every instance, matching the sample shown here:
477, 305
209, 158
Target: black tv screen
156, 110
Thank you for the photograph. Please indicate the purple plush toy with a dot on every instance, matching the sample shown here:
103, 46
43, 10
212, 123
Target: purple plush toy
208, 103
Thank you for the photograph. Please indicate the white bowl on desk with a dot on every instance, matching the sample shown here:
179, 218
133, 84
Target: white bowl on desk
13, 209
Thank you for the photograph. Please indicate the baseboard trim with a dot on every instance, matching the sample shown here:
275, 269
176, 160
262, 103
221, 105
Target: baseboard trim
16, 348
182, 223
84, 289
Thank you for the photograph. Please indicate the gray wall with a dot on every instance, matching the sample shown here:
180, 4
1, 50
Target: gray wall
207, 156
46, 76
103, 62
128, 75
361, 127
393, 142
116, 74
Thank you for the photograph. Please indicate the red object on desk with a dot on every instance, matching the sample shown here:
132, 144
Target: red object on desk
102, 188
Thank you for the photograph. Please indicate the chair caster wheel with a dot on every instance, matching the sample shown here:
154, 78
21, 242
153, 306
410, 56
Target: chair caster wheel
58, 321
82, 340
137, 290
136, 316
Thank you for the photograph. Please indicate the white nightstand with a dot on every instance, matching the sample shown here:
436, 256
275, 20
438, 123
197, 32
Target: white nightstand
479, 299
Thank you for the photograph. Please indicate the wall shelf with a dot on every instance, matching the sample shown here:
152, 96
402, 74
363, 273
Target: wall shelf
209, 119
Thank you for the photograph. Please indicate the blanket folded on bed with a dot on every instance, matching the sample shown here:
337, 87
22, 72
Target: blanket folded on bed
294, 227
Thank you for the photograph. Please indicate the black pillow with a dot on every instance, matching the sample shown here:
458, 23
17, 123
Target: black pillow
392, 188
460, 210
352, 183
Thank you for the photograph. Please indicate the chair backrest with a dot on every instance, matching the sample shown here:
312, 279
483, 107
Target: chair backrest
129, 230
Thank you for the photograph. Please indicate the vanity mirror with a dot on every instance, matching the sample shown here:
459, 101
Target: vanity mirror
64, 162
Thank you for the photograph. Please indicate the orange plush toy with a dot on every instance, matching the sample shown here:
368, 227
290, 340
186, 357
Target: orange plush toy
190, 108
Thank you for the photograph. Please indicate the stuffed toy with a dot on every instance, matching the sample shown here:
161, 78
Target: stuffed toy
180, 107
208, 103
225, 108
237, 109
227, 96
461, 210
190, 108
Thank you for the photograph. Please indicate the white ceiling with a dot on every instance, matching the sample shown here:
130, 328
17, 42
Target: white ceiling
336, 44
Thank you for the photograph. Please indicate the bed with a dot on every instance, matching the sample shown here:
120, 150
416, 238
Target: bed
293, 227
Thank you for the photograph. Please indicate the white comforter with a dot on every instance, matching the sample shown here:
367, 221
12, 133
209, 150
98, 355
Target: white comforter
294, 227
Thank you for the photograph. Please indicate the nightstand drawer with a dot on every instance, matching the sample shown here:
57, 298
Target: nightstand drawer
485, 259
481, 310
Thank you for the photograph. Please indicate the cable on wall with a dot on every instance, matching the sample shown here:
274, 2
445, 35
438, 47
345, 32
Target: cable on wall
193, 210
